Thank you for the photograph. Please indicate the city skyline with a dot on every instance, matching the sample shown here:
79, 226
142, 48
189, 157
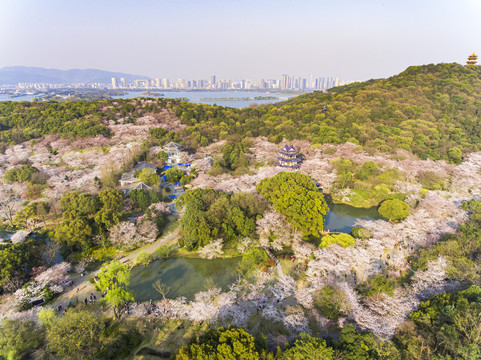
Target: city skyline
287, 82
284, 83
356, 40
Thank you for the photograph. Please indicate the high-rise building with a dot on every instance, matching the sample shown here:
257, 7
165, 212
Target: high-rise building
285, 82
213, 80
114, 83
157, 83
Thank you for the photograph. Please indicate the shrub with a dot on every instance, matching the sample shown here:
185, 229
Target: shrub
174, 175
331, 302
39, 178
377, 284
20, 174
394, 210
430, 180
361, 233
162, 252
252, 260
144, 259
330, 151
342, 239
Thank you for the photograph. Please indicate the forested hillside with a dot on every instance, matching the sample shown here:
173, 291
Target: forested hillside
431, 110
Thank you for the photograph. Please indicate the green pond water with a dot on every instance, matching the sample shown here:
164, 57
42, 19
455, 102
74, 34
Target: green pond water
342, 217
186, 277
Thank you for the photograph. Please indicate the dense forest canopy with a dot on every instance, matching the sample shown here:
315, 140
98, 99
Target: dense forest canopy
431, 110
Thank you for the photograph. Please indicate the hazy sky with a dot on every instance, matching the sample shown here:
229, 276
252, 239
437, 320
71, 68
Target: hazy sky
353, 39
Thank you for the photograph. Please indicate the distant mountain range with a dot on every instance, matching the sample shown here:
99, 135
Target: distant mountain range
12, 75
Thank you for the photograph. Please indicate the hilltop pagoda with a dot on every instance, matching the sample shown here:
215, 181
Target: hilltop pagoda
289, 157
472, 59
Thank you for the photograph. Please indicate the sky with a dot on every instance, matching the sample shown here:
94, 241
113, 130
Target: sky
239, 39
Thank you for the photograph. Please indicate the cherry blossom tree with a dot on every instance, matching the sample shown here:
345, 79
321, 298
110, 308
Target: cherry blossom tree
127, 235
295, 319
211, 250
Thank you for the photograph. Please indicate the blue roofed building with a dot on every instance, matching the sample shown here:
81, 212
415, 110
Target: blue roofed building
289, 157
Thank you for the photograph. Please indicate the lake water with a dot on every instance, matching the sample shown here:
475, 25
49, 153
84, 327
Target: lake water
186, 277
229, 98
342, 217
4, 97
214, 97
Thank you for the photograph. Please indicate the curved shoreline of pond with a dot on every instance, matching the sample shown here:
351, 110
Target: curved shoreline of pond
184, 276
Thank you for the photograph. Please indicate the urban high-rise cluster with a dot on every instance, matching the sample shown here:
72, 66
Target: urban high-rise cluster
287, 83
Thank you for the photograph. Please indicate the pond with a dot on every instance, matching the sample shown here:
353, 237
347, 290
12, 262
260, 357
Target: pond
186, 277
5, 236
342, 217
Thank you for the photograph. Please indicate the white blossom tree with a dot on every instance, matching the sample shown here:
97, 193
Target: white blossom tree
212, 250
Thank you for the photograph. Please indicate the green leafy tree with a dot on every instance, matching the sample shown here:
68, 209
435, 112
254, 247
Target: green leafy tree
150, 177
448, 324
18, 338
76, 234
296, 196
210, 215
158, 133
106, 218
140, 198
354, 345
47, 317
251, 261
162, 155
174, 175
230, 343
186, 179
394, 210
111, 199
342, 239
114, 278
377, 284
331, 302
23, 216
110, 212
16, 262
21, 174
76, 205
75, 335
307, 347
455, 155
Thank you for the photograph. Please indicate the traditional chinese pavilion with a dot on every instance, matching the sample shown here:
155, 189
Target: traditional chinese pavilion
289, 157
472, 59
